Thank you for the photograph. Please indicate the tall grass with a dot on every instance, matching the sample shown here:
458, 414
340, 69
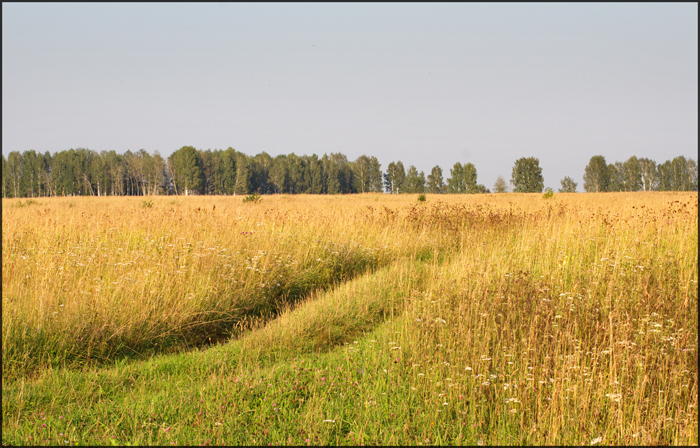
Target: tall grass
108, 278
92, 280
494, 319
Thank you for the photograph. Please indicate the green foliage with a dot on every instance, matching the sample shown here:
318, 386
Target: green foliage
64, 173
421, 198
362, 175
394, 178
462, 179
616, 177
314, 174
186, 169
375, 175
632, 174
678, 174
469, 179
481, 189
648, 174
242, 176
596, 175
225, 172
527, 176
568, 185
415, 182
367, 174
146, 204
254, 198
548, 193
12, 173
340, 176
435, 182
455, 183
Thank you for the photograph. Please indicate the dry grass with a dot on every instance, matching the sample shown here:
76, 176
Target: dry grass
94, 279
569, 320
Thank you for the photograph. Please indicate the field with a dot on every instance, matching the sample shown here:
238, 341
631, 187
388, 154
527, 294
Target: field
364, 319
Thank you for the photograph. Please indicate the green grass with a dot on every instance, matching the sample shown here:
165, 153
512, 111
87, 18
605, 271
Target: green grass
285, 348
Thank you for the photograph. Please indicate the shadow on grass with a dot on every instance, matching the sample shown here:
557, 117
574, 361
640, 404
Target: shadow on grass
26, 354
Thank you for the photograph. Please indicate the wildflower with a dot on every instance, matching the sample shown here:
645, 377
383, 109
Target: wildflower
614, 397
596, 440
329, 421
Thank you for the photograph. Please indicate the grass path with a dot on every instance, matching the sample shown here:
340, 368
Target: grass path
186, 392
575, 327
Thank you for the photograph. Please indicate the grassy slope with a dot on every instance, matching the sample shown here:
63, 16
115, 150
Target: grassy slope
574, 327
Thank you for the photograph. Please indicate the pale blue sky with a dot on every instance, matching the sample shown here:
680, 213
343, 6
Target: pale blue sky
427, 84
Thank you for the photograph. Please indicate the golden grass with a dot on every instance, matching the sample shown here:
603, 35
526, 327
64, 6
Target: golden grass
576, 314
87, 278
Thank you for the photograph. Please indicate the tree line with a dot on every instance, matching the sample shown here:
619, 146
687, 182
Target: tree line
635, 174
226, 172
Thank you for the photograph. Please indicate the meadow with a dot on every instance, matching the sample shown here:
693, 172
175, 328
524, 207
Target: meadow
364, 319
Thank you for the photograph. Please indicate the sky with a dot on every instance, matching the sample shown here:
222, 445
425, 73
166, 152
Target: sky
426, 84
